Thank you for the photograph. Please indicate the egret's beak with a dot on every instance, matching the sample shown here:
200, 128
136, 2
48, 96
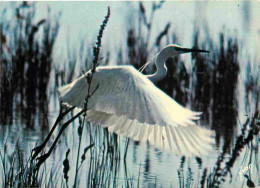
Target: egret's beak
186, 50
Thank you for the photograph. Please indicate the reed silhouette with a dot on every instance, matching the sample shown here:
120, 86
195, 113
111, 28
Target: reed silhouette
26, 66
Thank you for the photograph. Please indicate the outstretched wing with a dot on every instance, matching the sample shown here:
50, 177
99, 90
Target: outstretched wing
130, 104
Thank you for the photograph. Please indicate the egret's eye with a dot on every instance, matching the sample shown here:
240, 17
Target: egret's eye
178, 49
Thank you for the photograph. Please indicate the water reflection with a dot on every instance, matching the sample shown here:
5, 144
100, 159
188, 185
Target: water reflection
150, 166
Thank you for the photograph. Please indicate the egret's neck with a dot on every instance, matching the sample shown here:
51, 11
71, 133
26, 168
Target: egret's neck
161, 69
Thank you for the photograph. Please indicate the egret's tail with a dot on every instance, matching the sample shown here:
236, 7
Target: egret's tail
64, 90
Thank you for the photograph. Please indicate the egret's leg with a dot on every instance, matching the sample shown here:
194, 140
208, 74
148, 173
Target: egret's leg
43, 158
39, 148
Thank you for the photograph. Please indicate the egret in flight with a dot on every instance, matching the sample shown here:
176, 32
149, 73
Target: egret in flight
129, 104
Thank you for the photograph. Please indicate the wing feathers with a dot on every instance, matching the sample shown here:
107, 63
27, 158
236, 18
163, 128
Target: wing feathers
129, 104
187, 140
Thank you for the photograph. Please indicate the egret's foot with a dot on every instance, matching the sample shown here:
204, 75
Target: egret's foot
42, 159
37, 150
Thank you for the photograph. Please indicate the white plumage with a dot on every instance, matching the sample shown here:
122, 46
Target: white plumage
129, 104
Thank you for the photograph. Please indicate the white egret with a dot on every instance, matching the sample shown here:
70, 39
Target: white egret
129, 104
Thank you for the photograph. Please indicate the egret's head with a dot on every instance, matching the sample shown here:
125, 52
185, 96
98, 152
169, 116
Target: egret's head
174, 50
